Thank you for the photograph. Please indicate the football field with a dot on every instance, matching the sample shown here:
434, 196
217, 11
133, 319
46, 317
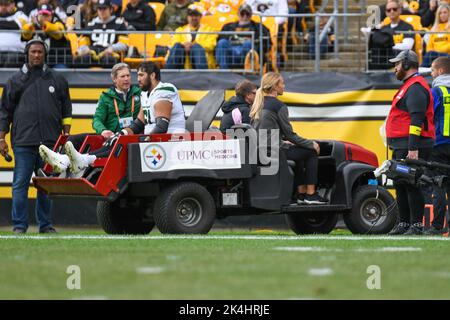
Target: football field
223, 265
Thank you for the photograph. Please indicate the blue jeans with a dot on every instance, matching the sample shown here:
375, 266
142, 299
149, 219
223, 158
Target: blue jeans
27, 160
430, 56
312, 45
228, 56
197, 56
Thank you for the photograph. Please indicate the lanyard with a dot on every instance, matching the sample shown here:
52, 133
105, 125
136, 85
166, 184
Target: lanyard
117, 108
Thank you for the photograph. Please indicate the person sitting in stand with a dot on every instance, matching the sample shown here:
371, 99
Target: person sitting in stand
53, 34
103, 45
11, 45
198, 48
231, 49
139, 15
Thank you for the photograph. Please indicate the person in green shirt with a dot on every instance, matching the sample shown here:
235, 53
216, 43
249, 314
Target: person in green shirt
116, 108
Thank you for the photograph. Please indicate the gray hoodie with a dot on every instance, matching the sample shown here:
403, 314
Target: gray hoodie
442, 80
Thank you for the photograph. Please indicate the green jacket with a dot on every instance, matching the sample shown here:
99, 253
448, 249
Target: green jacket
173, 17
105, 117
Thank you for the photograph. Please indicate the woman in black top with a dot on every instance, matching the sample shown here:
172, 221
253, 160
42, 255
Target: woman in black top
271, 114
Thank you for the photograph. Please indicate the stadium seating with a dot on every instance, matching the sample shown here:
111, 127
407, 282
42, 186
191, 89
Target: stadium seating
146, 45
158, 7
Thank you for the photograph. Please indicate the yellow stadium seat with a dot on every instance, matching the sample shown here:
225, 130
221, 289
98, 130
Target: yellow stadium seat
158, 7
414, 21
146, 45
217, 21
124, 5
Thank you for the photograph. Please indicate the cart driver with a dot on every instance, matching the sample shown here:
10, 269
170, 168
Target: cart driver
161, 112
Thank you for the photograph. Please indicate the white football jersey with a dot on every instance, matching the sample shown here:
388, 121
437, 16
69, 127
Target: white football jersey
163, 91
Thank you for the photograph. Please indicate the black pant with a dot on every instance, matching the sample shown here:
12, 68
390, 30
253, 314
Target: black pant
441, 153
410, 198
307, 163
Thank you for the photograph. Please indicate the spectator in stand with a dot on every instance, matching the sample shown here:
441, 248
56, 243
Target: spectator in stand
88, 12
58, 10
386, 41
11, 45
26, 6
438, 44
174, 15
198, 47
232, 49
101, 46
139, 15
53, 34
327, 42
237, 109
116, 5
428, 16
270, 7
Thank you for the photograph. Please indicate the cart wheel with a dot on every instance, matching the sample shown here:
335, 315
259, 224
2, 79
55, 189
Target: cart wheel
116, 220
185, 208
374, 211
312, 223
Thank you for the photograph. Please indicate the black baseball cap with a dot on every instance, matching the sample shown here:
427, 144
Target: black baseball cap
104, 4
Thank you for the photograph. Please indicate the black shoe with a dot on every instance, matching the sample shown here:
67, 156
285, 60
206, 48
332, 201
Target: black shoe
315, 199
400, 228
19, 230
433, 231
48, 230
301, 198
414, 230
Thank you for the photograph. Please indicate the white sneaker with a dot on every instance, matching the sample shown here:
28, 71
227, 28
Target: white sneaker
78, 161
59, 162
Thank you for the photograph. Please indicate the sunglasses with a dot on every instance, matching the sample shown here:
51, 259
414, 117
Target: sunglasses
244, 13
391, 9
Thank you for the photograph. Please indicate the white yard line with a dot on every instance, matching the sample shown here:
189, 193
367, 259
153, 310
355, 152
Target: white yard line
224, 237
321, 249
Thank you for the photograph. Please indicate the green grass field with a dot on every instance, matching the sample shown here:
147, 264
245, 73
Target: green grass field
223, 265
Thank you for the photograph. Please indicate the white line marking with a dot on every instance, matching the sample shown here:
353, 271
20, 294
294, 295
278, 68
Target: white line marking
149, 270
224, 237
321, 249
391, 249
320, 272
306, 249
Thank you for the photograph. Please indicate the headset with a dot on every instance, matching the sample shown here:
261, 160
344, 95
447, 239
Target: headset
406, 65
34, 41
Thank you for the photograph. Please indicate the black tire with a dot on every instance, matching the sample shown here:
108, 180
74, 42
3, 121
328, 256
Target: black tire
185, 208
312, 223
374, 211
116, 220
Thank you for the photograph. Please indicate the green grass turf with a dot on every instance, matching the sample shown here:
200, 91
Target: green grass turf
228, 268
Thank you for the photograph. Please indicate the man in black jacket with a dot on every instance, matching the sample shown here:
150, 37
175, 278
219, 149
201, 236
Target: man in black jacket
36, 102
237, 109
139, 15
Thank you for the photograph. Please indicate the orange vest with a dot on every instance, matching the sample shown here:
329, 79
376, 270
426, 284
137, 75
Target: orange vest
398, 122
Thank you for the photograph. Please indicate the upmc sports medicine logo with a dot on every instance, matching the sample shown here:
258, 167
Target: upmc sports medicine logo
154, 157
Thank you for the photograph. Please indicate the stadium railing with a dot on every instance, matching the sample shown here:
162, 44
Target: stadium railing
378, 59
